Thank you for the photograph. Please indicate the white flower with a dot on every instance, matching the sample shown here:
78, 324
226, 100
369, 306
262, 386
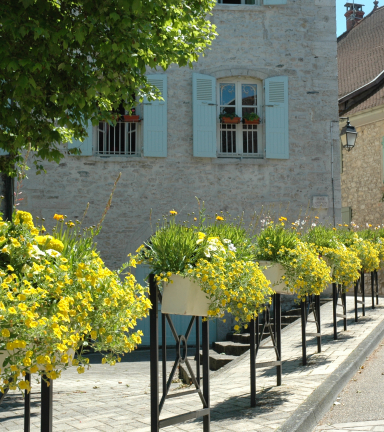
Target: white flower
313, 224
226, 241
36, 252
52, 252
232, 248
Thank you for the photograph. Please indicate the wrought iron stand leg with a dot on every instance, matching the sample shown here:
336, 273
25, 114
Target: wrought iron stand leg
27, 406
318, 322
46, 404
206, 418
197, 356
154, 355
164, 352
356, 311
377, 287
363, 291
303, 330
277, 308
373, 289
344, 301
334, 296
252, 346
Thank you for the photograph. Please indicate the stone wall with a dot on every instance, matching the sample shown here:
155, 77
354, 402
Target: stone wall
362, 177
297, 40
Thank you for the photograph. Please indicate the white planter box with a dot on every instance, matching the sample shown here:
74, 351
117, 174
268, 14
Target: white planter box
184, 297
274, 273
5, 354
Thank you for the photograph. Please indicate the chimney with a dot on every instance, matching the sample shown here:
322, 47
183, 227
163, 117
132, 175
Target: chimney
376, 3
354, 14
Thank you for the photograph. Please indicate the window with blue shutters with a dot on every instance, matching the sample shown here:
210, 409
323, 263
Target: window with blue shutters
155, 120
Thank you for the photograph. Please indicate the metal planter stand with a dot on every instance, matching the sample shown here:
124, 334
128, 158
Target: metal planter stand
46, 405
337, 292
255, 342
314, 304
181, 345
375, 288
362, 301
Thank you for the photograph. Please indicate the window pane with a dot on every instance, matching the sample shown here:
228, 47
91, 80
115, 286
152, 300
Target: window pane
230, 1
249, 94
228, 138
227, 94
248, 110
249, 1
250, 139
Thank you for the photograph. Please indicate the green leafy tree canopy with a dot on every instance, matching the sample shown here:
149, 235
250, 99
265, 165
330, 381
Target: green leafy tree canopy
63, 63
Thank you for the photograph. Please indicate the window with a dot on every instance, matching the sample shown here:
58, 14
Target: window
240, 97
247, 2
119, 140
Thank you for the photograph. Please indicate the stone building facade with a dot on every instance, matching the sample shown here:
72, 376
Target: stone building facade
294, 40
361, 99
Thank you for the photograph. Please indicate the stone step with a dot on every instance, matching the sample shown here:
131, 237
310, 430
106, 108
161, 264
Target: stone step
230, 348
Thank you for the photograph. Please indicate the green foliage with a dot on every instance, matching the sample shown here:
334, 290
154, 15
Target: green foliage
65, 63
227, 114
171, 248
273, 242
251, 116
238, 236
321, 236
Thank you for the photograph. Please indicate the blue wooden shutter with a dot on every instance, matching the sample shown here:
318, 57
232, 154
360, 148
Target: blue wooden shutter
276, 118
86, 147
155, 120
3, 152
204, 115
274, 2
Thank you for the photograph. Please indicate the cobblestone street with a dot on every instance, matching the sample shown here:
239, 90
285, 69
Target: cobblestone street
117, 398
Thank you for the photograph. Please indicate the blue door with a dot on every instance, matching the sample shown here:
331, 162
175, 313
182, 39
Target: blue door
180, 322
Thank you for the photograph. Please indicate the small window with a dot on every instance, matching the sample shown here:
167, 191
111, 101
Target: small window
241, 139
121, 139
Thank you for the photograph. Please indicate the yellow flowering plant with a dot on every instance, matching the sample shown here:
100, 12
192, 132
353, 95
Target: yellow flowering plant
343, 261
305, 272
55, 302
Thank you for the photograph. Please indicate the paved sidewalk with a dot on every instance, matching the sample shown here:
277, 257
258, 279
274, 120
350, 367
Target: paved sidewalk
117, 398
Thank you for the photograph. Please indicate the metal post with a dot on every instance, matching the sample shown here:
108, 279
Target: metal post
164, 351
252, 347
356, 311
363, 291
197, 356
344, 301
154, 354
303, 330
277, 311
377, 287
27, 406
334, 296
46, 404
207, 417
373, 289
318, 322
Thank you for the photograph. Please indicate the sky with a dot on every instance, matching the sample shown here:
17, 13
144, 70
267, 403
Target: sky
340, 11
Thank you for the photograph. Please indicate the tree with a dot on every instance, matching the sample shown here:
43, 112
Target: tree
65, 62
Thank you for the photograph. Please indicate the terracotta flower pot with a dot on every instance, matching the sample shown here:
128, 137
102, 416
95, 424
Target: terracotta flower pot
228, 120
256, 121
131, 118
184, 297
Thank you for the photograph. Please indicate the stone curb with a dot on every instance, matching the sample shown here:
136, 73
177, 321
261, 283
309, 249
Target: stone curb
307, 416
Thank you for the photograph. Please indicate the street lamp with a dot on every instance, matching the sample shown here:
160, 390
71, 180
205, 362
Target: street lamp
348, 135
